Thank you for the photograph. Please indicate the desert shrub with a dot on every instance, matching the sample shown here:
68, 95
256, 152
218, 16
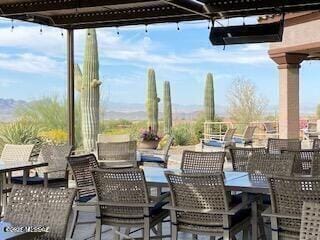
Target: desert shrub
56, 136
21, 133
184, 134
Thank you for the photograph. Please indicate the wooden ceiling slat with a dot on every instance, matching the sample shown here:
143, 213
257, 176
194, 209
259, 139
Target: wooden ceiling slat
121, 15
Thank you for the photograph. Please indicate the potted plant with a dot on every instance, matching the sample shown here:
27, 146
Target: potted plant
149, 140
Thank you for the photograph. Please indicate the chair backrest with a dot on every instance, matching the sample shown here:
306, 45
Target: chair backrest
316, 144
168, 145
303, 161
276, 146
315, 164
81, 166
121, 186
56, 157
198, 191
39, 206
248, 133
117, 151
113, 138
16, 152
241, 156
288, 195
310, 221
205, 162
229, 134
271, 164
270, 127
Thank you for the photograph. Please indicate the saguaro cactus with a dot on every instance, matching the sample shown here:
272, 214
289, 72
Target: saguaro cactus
167, 108
209, 99
152, 102
88, 84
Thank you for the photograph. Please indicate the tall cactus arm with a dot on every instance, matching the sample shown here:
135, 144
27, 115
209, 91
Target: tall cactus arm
95, 83
77, 78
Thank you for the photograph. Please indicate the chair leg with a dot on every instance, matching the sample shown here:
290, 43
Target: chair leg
98, 229
214, 238
174, 232
245, 234
194, 236
73, 223
116, 236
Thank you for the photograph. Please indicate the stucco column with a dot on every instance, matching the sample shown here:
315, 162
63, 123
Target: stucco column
288, 65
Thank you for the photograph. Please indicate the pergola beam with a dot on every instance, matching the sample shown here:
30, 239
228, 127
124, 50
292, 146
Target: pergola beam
156, 14
39, 6
189, 6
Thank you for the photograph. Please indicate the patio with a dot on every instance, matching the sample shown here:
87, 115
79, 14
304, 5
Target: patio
245, 192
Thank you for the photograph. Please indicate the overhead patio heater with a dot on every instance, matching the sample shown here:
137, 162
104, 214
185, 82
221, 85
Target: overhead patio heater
257, 33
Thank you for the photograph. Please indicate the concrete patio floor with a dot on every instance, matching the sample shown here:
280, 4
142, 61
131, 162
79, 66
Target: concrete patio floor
86, 231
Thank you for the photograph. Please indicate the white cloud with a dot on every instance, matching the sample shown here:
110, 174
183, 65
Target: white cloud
4, 82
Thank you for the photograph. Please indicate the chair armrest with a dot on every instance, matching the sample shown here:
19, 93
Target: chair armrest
268, 213
116, 204
232, 211
55, 171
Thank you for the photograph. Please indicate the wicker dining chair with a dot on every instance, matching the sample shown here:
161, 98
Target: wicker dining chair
206, 162
124, 201
276, 146
271, 164
55, 174
310, 221
117, 153
80, 167
287, 197
12, 153
224, 143
161, 158
40, 207
303, 161
247, 138
240, 157
201, 206
316, 144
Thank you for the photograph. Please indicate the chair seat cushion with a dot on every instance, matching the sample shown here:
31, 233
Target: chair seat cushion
86, 198
35, 180
151, 158
213, 143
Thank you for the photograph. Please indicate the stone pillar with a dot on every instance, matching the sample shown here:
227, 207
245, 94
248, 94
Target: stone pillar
288, 65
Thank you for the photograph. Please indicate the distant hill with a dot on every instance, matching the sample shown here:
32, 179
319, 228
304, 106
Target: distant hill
8, 107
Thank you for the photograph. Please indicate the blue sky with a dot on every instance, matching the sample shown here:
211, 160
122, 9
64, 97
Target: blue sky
34, 65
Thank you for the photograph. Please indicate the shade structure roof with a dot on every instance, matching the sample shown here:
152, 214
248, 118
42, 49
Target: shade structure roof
77, 14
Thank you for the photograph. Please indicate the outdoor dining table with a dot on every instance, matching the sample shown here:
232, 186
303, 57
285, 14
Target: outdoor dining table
244, 182
16, 235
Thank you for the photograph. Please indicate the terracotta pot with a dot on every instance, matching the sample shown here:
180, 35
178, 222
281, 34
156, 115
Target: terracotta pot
153, 144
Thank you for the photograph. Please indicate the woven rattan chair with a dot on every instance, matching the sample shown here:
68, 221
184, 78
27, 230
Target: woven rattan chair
271, 164
201, 206
124, 201
303, 161
287, 197
315, 164
55, 174
159, 158
39, 206
310, 221
247, 138
241, 156
316, 144
206, 162
224, 143
117, 153
276, 146
85, 200
113, 138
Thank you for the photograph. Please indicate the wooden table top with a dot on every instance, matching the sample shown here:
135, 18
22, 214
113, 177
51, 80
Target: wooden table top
234, 181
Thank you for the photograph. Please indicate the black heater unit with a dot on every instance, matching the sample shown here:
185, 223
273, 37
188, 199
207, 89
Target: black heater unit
258, 33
